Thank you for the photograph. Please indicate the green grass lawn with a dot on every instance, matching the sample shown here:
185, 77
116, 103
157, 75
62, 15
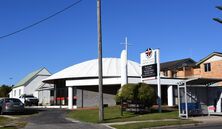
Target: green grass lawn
4, 120
8, 128
152, 124
112, 114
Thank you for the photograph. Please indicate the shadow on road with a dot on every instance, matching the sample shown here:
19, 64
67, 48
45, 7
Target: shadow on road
27, 111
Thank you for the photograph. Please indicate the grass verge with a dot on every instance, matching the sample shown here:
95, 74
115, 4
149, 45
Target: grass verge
112, 114
9, 123
153, 124
4, 120
12, 127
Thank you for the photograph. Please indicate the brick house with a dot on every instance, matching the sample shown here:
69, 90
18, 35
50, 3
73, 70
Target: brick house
178, 68
208, 67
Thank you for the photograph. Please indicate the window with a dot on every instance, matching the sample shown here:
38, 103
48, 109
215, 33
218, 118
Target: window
12, 100
19, 92
14, 93
174, 74
165, 73
207, 67
51, 92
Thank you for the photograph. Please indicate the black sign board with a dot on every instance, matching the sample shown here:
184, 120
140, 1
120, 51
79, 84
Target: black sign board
149, 70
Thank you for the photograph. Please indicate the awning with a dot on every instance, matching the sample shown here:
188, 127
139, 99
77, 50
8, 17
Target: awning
164, 81
200, 81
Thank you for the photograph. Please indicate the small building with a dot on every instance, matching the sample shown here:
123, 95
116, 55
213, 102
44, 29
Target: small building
32, 84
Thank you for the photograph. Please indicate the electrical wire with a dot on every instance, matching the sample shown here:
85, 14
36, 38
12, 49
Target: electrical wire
40, 21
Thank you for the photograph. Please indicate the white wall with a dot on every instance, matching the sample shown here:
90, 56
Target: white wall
219, 103
16, 92
10, 94
33, 85
213, 58
44, 72
44, 97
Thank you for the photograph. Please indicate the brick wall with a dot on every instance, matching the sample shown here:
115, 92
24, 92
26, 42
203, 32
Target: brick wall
188, 72
216, 70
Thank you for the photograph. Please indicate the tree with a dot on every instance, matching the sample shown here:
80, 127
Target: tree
146, 95
139, 94
129, 92
218, 19
4, 90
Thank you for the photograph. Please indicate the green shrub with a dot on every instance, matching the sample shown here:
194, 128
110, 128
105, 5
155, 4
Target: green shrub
140, 93
146, 94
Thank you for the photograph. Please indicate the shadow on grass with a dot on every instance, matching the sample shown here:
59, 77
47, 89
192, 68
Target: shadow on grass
8, 127
135, 114
119, 117
157, 111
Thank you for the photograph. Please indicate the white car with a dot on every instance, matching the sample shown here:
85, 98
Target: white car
29, 100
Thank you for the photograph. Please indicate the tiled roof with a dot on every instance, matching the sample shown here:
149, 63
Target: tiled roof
173, 65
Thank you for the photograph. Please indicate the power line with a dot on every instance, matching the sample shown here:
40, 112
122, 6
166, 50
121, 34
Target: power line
40, 21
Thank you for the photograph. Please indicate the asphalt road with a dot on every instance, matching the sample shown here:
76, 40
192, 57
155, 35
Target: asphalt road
55, 119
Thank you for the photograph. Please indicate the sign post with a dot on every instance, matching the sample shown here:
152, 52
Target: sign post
150, 69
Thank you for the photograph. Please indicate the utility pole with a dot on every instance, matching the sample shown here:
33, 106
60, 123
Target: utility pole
100, 72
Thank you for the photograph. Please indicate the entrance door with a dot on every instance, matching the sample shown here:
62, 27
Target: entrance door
164, 95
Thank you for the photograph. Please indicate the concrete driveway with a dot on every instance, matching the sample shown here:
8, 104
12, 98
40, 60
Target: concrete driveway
55, 119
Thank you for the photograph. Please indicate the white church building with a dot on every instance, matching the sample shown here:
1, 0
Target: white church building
32, 84
77, 85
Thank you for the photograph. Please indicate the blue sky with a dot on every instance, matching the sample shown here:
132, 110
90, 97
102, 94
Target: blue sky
180, 28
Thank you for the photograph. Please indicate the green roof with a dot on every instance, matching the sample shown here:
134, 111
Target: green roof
28, 78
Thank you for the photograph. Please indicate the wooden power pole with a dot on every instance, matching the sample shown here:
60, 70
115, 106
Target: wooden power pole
100, 71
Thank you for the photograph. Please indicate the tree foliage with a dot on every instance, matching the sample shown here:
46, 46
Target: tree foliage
140, 93
4, 90
129, 92
218, 19
146, 94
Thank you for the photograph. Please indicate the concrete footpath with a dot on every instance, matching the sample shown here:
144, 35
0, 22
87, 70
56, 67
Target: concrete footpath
132, 122
204, 121
208, 119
